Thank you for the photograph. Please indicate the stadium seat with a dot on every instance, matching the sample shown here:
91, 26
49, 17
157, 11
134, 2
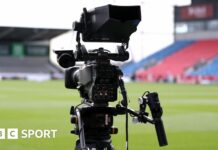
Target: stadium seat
211, 69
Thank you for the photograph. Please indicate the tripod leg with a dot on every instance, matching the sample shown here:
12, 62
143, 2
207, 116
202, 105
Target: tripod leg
78, 146
81, 131
94, 146
110, 147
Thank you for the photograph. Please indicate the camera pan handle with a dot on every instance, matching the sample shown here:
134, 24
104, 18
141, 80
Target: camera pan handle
161, 135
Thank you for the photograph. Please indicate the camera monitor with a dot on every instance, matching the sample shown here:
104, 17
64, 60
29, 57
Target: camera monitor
109, 23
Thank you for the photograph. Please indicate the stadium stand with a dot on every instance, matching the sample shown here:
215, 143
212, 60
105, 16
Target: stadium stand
30, 68
24, 53
210, 69
130, 68
176, 64
26, 65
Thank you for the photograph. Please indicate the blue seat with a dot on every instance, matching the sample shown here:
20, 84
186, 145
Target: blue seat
211, 69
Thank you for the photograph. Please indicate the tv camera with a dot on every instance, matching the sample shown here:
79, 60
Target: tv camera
98, 80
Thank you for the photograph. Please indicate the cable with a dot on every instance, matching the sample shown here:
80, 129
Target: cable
124, 102
127, 131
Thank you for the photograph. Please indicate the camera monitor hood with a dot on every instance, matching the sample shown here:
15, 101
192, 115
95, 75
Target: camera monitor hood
109, 23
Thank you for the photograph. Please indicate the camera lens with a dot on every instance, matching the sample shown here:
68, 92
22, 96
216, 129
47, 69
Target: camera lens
66, 60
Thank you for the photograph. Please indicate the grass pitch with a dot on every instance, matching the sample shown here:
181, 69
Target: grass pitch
190, 116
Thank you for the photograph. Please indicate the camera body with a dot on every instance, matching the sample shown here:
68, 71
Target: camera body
97, 81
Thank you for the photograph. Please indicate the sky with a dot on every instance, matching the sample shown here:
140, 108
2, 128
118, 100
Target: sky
61, 13
154, 32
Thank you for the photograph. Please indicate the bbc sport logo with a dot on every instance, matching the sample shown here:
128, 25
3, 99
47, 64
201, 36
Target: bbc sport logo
11, 133
15, 133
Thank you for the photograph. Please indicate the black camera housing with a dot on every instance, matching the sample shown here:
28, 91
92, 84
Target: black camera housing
96, 82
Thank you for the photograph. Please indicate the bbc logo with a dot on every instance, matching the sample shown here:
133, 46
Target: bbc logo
10, 133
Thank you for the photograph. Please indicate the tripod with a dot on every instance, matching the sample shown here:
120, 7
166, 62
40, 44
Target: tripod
94, 124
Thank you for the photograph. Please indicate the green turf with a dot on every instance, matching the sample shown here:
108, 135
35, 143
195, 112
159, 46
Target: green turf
190, 116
